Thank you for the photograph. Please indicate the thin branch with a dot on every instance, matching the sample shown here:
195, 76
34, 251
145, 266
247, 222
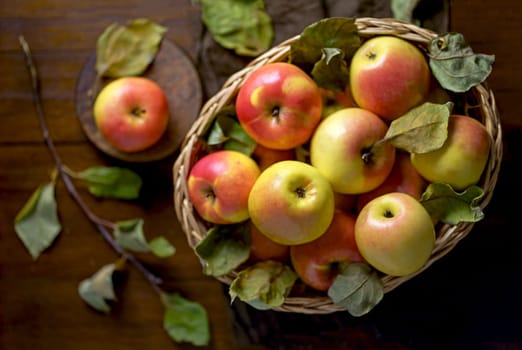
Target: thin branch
101, 224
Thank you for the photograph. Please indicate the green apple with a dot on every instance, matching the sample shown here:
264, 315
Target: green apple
131, 113
463, 157
345, 149
218, 186
291, 202
279, 105
395, 234
389, 76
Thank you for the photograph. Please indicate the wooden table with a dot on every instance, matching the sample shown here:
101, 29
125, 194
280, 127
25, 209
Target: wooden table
471, 298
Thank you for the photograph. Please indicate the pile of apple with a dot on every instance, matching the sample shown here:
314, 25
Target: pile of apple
354, 197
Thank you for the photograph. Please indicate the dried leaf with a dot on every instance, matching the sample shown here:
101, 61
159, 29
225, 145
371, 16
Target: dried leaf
455, 65
450, 207
331, 71
265, 284
111, 182
185, 320
128, 50
338, 33
224, 248
37, 223
242, 26
98, 290
357, 288
422, 129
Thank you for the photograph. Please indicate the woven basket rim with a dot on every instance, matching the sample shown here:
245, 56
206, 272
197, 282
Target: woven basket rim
448, 236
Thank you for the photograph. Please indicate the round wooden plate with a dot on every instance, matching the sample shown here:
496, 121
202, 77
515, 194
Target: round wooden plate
178, 78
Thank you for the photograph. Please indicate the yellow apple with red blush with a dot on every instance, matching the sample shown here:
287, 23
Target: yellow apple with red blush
279, 105
291, 202
395, 234
131, 113
219, 184
347, 149
389, 76
462, 158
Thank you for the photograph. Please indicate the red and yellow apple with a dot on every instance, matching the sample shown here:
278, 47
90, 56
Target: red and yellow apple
131, 113
291, 202
395, 234
461, 159
265, 157
389, 76
279, 105
263, 248
219, 184
318, 262
345, 149
403, 178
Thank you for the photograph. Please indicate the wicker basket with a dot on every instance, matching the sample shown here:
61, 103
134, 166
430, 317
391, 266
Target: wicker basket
483, 108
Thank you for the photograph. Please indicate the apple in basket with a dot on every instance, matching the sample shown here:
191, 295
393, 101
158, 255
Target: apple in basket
218, 186
395, 234
345, 149
263, 248
265, 157
131, 113
403, 178
389, 76
279, 105
291, 202
318, 262
463, 157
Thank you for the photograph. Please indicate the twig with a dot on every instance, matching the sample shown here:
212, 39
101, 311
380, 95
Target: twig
101, 224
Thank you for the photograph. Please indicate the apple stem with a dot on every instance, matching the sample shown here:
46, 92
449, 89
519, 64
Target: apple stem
101, 224
275, 112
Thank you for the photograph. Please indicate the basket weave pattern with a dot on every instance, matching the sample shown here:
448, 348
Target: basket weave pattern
484, 109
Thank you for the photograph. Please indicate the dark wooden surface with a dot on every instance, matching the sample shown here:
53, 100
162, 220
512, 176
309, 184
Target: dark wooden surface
470, 299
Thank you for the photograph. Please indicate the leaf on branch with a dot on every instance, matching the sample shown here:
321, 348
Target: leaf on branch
130, 236
161, 247
224, 248
37, 224
450, 207
111, 182
263, 285
242, 26
127, 50
422, 129
455, 65
357, 288
98, 290
185, 320
227, 131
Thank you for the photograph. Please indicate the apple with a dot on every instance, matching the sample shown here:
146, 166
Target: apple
263, 248
402, 178
389, 76
279, 105
345, 202
336, 100
395, 234
461, 159
131, 113
291, 202
318, 262
218, 186
345, 149
265, 157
